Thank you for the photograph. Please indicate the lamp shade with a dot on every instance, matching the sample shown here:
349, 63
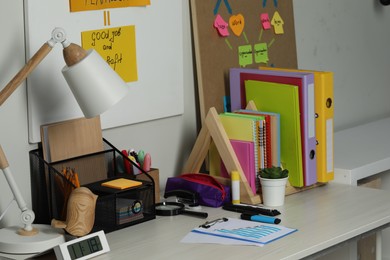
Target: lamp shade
95, 85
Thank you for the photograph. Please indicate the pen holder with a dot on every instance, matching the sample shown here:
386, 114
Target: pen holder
50, 189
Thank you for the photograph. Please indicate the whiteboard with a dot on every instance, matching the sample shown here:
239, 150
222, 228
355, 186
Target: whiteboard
158, 92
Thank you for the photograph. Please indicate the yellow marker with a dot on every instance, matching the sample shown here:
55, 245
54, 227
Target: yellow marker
235, 187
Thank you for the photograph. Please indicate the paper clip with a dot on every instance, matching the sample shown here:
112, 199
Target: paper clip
208, 224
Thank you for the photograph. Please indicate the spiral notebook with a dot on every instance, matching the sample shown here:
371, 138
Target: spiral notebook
274, 136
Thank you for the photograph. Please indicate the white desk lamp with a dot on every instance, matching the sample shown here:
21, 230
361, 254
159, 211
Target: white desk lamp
96, 88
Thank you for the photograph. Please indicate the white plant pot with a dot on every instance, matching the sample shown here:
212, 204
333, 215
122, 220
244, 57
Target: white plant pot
273, 191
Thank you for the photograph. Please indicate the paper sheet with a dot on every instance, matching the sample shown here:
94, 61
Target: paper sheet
238, 232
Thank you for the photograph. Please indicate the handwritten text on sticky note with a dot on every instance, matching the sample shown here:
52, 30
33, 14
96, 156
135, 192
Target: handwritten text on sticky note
261, 53
264, 18
117, 47
221, 26
88, 5
237, 24
245, 56
277, 22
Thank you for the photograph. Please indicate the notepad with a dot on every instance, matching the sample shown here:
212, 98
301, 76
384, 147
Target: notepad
121, 184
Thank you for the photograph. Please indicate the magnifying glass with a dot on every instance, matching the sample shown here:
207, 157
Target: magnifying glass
176, 208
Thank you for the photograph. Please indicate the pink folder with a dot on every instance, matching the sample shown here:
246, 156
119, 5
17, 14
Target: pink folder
245, 155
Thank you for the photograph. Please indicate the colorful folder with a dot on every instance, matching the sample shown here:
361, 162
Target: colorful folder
237, 128
305, 83
324, 109
245, 154
265, 136
260, 131
241, 121
282, 99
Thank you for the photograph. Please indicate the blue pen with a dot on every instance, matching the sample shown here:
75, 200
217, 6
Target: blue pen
260, 218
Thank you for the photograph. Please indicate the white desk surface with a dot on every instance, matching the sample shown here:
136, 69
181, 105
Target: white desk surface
324, 216
362, 151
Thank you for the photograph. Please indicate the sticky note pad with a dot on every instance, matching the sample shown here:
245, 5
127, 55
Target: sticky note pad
121, 183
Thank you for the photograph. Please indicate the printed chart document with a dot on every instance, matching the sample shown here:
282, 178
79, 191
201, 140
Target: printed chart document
239, 232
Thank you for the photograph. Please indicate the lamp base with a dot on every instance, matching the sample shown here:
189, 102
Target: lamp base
13, 243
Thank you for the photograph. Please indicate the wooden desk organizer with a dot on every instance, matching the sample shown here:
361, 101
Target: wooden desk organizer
213, 130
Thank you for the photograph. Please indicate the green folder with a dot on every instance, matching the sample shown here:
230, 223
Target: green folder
282, 99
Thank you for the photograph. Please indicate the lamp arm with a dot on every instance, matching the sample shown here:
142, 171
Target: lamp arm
28, 215
58, 35
24, 72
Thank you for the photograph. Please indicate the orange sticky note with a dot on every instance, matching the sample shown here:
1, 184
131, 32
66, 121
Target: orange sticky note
121, 184
237, 24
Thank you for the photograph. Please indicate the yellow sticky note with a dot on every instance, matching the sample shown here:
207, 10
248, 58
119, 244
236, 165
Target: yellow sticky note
117, 47
87, 5
121, 184
277, 22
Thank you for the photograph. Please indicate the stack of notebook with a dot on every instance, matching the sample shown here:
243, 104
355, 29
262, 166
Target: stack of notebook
291, 127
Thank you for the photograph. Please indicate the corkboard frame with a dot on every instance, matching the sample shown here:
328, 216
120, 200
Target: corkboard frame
214, 57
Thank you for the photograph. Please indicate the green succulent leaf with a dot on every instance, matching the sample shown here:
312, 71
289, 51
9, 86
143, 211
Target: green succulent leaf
273, 173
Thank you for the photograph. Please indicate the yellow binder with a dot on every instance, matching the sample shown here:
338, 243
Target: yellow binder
324, 109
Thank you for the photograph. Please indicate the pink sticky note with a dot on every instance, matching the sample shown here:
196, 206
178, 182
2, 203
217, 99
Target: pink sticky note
264, 18
221, 26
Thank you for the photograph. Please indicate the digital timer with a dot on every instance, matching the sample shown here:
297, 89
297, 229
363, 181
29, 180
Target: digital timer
84, 247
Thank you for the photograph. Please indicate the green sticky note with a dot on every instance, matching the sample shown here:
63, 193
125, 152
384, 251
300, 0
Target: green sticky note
245, 55
261, 53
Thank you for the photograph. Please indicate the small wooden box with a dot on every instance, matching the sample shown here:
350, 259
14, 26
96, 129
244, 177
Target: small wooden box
154, 173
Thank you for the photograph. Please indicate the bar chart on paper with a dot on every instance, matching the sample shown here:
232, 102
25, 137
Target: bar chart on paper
256, 232
249, 231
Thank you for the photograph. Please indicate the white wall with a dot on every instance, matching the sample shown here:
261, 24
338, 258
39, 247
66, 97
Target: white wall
352, 39
168, 140
349, 37
13, 113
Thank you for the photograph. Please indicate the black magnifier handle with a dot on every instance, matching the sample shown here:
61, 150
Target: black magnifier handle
195, 213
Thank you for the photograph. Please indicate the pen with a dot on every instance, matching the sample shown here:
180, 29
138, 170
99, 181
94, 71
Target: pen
134, 168
133, 153
260, 218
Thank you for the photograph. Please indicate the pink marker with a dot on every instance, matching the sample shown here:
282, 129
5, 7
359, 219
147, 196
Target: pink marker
147, 162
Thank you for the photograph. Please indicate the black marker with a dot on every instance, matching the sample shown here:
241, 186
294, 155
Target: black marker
250, 208
260, 218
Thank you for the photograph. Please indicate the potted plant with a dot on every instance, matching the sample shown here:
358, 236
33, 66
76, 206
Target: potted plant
273, 185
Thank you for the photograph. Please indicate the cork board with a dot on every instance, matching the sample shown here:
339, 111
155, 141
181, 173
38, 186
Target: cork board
252, 46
